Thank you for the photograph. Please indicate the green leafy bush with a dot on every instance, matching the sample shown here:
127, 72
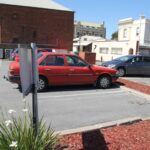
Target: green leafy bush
17, 133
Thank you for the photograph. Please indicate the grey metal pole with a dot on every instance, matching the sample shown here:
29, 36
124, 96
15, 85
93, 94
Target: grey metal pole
34, 90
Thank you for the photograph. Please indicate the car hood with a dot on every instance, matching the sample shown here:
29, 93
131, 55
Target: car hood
114, 62
102, 69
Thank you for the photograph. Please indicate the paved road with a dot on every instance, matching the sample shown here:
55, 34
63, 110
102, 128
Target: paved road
77, 106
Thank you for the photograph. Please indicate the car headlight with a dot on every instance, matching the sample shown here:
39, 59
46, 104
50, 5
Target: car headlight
112, 66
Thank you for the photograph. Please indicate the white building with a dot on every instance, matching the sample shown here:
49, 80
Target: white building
109, 49
133, 38
84, 43
134, 30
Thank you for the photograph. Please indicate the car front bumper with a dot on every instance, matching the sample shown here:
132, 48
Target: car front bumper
114, 77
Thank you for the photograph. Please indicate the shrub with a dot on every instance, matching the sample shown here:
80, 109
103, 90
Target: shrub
17, 133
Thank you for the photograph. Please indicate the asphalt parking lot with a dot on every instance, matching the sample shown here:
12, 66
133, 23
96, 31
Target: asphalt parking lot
76, 106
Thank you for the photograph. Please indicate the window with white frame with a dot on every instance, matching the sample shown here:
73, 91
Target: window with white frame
103, 50
124, 33
116, 51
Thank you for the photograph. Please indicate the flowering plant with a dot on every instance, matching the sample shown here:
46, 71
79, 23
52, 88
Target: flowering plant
17, 133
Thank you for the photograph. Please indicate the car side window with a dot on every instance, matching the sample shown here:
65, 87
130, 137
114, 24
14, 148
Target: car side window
137, 59
147, 59
70, 61
52, 60
59, 61
75, 61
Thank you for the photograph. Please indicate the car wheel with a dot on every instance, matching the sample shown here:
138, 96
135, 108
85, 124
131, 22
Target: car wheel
42, 84
121, 72
104, 82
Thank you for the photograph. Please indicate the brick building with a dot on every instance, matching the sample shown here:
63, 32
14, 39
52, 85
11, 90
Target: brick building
42, 21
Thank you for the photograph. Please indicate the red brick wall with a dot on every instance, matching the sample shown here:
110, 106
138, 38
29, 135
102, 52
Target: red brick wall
43, 26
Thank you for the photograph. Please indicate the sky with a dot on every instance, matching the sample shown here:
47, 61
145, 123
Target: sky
109, 11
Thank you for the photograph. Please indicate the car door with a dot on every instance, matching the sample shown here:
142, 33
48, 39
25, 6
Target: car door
80, 72
134, 65
146, 66
53, 67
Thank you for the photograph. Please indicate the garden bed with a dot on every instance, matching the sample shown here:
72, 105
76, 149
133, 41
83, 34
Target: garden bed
134, 136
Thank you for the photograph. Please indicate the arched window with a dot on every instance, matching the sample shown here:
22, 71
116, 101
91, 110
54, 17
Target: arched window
124, 33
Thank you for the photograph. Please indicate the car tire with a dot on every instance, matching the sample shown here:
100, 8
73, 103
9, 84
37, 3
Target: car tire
104, 82
42, 84
121, 72
20, 87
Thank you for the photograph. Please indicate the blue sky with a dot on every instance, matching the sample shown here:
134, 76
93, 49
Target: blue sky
109, 11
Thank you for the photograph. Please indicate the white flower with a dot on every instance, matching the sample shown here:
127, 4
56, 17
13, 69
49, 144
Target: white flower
8, 122
25, 110
11, 111
13, 144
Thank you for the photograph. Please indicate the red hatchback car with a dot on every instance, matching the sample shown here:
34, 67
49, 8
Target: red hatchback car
66, 69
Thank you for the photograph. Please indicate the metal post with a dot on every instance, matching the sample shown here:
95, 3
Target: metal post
79, 43
34, 91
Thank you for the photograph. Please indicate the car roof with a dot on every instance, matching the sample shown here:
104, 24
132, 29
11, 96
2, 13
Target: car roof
58, 53
138, 55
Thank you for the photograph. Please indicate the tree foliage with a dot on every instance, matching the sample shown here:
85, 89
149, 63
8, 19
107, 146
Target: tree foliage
114, 36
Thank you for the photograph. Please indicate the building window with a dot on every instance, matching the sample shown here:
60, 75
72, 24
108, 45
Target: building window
78, 34
103, 50
116, 51
124, 33
137, 31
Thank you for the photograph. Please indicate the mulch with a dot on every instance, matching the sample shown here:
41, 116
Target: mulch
135, 85
134, 136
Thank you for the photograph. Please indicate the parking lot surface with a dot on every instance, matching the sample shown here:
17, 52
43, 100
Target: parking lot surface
76, 106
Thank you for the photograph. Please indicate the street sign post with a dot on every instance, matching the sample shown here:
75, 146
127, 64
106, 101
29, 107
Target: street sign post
29, 77
34, 87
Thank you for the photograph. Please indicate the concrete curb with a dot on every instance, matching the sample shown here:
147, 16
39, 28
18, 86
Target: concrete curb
134, 85
102, 125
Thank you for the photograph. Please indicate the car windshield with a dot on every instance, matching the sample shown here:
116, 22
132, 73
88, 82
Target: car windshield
123, 58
